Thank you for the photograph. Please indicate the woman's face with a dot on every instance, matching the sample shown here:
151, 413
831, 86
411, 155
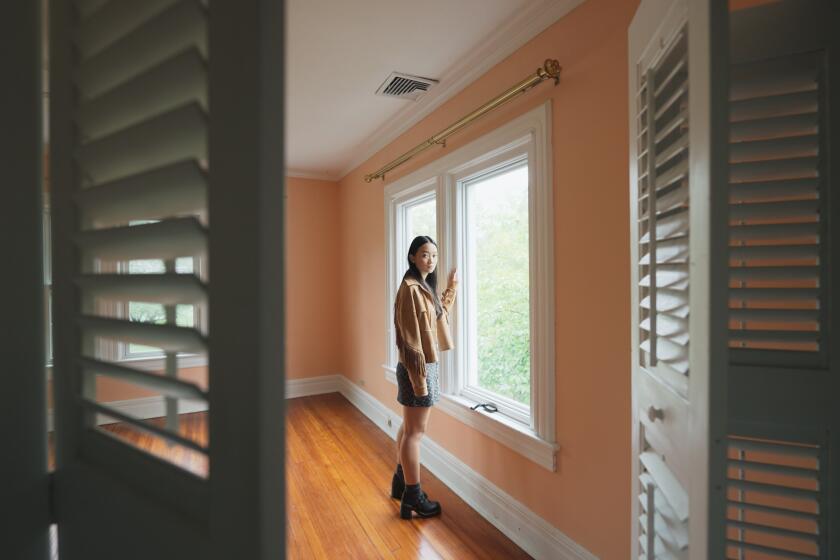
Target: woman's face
425, 259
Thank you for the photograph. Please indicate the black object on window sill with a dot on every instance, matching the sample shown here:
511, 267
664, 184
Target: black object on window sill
487, 407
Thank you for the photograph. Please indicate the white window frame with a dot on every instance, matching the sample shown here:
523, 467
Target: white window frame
528, 430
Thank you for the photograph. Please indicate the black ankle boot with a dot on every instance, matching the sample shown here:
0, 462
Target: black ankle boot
398, 483
415, 500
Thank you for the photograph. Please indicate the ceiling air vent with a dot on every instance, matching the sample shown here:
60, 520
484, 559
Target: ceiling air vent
405, 86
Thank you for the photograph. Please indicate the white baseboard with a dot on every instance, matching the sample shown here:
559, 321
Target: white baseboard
154, 407
529, 531
312, 386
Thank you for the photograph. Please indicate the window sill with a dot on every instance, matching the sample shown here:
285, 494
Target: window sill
505, 430
159, 364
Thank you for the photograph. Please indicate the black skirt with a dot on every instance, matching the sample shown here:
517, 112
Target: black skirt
405, 393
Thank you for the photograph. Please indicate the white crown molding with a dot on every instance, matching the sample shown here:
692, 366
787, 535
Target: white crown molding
503, 42
316, 176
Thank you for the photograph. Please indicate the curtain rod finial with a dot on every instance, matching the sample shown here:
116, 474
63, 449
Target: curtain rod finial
552, 69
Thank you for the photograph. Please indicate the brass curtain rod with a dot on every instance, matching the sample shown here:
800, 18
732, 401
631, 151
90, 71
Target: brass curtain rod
550, 69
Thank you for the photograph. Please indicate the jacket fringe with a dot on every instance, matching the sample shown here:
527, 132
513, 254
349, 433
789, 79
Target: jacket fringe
415, 363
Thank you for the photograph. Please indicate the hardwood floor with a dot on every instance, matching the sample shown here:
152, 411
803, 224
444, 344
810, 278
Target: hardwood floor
338, 481
338, 475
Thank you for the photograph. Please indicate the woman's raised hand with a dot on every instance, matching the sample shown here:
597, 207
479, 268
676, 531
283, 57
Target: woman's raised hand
453, 276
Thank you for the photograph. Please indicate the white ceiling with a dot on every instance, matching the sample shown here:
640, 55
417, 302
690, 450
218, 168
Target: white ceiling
340, 51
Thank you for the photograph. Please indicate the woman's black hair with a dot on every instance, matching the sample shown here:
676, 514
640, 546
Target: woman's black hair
431, 279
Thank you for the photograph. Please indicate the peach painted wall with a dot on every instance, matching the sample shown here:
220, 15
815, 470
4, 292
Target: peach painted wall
588, 498
313, 278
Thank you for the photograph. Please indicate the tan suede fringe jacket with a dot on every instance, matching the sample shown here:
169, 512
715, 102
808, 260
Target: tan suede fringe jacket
417, 328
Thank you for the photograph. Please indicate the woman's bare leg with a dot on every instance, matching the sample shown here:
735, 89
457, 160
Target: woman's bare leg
414, 427
400, 434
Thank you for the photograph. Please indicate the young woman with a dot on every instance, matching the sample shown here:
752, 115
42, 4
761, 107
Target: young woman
421, 319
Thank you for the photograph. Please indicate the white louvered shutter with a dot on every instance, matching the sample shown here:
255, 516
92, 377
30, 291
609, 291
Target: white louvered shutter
671, 378
784, 381
135, 174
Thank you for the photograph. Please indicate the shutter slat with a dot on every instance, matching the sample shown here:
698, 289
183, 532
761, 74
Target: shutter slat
144, 426
173, 190
665, 481
764, 190
774, 315
662, 108
660, 504
173, 136
177, 81
775, 552
668, 301
774, 127
169, 338
773, 489
676, 197
775, 337
756, 466
166, 289
781, 210
775, 448
774, 252
774, 294
746, 506
777, 105
680, 119
676, 329
775, 170
113, 21
168, 386
672, 250
791, 75
675, 355
173, 30
774, 273
669, 226
779, 148
679, 69
169, 239
676, 280
772, 232
675, 149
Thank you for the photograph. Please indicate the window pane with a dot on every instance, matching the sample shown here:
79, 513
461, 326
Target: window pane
422, 220
499, 321
154, 312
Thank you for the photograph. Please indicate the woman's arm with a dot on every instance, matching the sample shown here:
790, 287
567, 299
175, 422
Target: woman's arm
447, 298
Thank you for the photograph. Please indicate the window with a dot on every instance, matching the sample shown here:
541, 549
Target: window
490, 206
185, 315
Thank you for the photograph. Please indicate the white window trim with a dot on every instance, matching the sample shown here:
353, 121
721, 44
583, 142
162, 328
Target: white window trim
530, 133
